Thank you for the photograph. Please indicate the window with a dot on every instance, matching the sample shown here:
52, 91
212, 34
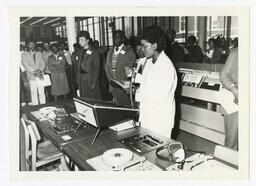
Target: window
64, 31
97, 28
234, 27
181, 29
192, 26
118, 23
182, 24
58, 31
216, 26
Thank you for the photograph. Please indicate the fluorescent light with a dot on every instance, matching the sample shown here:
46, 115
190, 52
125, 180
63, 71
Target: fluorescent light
39, 20
57, 23
52, 21
25, 20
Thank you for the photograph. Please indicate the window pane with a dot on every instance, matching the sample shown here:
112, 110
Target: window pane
215, 26
234, 26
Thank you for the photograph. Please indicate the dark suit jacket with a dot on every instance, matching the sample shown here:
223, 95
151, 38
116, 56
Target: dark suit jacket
88, 73
175, 52
126, 58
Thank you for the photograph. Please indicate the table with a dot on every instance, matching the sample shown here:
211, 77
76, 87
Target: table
80, 148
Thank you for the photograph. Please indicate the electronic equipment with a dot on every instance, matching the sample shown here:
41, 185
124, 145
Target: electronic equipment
121, 159
143, 143
200, 79
175, 150
102, 114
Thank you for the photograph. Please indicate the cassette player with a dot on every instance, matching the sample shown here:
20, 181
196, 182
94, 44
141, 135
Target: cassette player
143, 143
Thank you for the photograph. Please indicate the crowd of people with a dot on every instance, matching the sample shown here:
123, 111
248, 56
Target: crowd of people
91, 72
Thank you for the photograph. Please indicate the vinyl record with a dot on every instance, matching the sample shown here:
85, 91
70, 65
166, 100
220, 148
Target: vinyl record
46, 110
117, 157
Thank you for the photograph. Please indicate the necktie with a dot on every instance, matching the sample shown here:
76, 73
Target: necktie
34, 57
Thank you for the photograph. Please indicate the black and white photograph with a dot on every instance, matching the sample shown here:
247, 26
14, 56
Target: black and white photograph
87, 81
124, 94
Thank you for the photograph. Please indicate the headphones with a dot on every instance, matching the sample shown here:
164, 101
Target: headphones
175, 150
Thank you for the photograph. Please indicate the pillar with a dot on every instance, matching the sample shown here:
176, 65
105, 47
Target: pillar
71, 32
202, 25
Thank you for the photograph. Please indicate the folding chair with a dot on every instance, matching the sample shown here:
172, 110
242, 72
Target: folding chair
38, 153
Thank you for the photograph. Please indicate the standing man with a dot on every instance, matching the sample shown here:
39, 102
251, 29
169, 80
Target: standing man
74, 58
34, 65
118, 58
229, 78
173, 50
66, 53
88, 68
46, 53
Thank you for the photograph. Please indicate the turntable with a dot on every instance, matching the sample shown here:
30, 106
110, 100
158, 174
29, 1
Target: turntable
121, 159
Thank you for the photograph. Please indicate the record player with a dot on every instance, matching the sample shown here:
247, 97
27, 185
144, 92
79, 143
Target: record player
121, 159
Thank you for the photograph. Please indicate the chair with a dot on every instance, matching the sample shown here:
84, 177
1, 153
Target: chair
38, 154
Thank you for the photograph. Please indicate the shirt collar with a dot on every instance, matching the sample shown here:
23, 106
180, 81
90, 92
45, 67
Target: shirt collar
119, 49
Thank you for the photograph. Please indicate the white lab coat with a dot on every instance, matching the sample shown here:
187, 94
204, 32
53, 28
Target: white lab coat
157, 89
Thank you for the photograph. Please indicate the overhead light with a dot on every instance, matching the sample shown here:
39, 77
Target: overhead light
39, 20
55, 24
25, 20
58, 23
51, 21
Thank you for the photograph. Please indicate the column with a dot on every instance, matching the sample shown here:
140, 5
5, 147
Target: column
71, 32
202, 25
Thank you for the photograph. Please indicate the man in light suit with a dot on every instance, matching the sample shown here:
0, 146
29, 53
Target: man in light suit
118, 58
34, 65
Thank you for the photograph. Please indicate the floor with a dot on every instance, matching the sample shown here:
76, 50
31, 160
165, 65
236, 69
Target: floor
195, 143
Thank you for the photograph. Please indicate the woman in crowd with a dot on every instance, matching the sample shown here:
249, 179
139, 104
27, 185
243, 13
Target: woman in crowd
56, 64
213, 54
88, 68
157, 89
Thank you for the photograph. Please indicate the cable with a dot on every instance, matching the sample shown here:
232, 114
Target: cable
130, 89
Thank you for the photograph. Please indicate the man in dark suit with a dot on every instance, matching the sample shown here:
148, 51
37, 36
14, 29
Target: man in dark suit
173, 50
88, 68
118, 58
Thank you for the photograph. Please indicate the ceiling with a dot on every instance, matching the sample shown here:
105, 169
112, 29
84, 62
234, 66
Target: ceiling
42, 21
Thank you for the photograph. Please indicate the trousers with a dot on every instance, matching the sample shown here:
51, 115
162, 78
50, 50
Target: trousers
37, 93
231, 130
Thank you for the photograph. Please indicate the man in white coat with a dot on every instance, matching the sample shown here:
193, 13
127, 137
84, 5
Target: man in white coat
157, 89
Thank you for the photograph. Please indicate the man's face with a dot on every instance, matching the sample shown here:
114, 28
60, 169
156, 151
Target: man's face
148, 48
118, 40
55, 49
46, 46
139, 51
31, 45
83, 41
170, 36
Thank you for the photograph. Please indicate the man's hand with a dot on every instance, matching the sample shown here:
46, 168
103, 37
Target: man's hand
234, 90
37, 73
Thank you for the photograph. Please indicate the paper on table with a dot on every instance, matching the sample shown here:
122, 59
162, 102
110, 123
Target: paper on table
123, 126
226, 99
45, 81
